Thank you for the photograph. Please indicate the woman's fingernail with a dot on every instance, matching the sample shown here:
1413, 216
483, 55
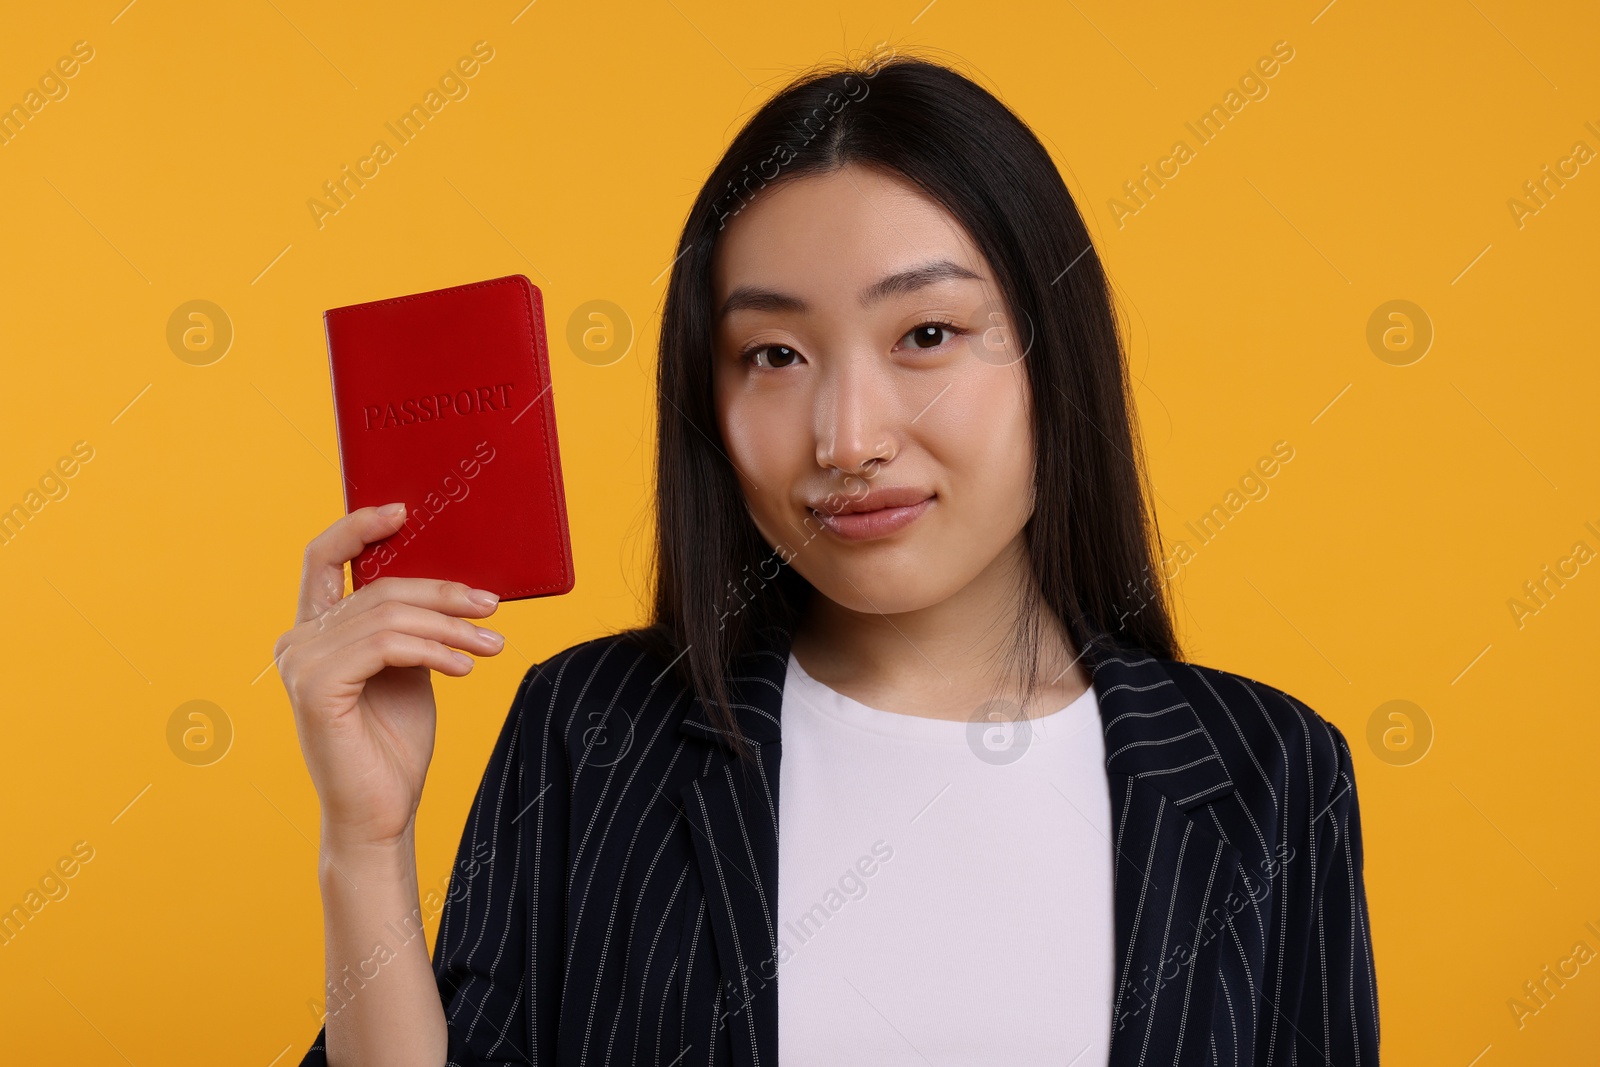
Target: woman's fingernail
392, 511
483, 597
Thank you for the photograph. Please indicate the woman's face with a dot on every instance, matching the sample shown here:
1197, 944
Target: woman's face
866, 357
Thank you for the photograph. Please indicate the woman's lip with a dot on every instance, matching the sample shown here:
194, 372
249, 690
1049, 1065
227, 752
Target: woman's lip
869, 525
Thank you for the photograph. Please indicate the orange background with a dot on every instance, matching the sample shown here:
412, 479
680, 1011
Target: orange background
1380, 564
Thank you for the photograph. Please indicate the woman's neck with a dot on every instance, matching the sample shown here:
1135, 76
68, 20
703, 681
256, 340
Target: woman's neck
944, 660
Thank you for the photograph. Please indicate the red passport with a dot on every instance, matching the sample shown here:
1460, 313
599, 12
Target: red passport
443, 400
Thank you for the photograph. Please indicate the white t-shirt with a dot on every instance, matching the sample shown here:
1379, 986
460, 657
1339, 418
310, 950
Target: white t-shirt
944, 888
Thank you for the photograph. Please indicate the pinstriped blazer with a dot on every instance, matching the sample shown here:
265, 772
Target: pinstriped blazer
615, 892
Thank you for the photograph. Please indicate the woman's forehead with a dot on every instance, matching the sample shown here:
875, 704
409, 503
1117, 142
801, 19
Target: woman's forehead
835, 233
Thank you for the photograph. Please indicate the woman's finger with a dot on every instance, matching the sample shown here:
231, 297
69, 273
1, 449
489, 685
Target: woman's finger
322, 581
383, 648
401, 617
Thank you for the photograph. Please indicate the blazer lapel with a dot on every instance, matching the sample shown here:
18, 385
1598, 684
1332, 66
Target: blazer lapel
733, 820
1173, 873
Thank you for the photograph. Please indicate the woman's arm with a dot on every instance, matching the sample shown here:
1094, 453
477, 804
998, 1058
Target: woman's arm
498, 961
382, 1001
1337, 1017
358, 670
468, 1007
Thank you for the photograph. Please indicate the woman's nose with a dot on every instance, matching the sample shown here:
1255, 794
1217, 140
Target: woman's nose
854, 416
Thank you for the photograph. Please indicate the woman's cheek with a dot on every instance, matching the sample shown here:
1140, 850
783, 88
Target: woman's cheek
984, 435
758, 439
767, 451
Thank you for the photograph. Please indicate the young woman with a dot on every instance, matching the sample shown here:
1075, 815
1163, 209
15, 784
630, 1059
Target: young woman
908, 767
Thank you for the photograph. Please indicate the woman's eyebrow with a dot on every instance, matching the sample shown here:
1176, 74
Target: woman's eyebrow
755, 298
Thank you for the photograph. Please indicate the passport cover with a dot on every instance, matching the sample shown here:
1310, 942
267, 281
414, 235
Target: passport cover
443, 400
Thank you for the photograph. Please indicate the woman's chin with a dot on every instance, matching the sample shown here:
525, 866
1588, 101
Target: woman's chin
884, 587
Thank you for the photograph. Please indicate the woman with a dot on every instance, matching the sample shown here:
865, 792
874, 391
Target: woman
906, 610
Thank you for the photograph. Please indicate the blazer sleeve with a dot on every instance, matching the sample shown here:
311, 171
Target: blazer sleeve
498, 958
1337, 1018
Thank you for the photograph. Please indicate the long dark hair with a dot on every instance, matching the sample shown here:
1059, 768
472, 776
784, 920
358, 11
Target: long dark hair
1092, 539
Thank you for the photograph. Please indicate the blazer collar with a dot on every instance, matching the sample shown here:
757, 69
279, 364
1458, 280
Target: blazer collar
1171, 869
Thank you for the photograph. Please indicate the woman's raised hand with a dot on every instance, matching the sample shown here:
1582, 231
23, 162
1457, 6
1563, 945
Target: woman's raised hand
357, 670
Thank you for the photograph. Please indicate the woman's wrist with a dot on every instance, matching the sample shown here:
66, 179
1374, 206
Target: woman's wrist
347, 856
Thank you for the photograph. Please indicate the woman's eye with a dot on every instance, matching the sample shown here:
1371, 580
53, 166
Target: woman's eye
776, 356
928, 335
